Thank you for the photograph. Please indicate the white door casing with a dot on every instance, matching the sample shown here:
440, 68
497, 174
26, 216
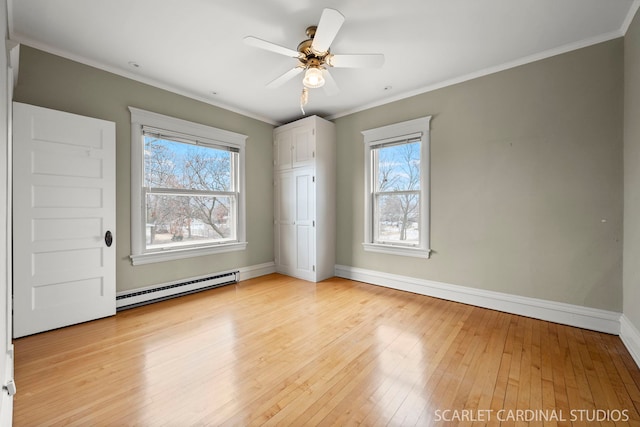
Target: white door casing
8, 68
64, 205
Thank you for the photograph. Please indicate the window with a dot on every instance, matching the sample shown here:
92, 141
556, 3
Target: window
187, 186
397, 188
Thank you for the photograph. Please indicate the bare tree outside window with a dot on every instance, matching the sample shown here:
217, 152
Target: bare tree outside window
190, 193
397, 192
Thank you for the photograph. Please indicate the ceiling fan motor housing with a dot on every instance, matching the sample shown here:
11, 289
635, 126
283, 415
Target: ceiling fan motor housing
310, 58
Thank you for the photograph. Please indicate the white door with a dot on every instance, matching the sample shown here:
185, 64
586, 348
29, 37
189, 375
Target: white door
63, 219
304, 224
295, 224
285, 222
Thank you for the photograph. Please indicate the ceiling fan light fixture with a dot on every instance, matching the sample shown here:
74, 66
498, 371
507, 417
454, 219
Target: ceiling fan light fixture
313, 78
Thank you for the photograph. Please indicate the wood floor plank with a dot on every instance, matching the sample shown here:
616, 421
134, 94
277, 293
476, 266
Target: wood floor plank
535, 396
281, 351
492, 359
514, 389
560, 377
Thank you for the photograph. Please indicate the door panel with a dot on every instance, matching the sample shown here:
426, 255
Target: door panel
303, 246
282, 151
303, 198
303, 146
287, 254
64, 203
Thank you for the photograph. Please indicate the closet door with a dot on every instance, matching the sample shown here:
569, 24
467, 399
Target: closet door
295, 223
304, 191
285, 232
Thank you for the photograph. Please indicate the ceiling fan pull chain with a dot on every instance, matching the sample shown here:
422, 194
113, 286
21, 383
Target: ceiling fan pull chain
304, 98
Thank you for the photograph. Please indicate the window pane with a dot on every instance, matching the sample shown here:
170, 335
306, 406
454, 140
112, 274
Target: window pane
398, 167
178, 220
398, 218
171, 164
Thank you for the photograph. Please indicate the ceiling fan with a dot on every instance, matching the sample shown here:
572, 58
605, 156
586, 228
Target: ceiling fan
314, 56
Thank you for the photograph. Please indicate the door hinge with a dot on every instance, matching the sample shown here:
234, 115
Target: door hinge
313, 154
313, 179
313, 268
10, 387
313, 223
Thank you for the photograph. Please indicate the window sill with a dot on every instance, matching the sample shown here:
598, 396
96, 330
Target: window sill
174, 254
397, 250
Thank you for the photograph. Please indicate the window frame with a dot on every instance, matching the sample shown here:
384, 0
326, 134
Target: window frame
408, 131
178, 128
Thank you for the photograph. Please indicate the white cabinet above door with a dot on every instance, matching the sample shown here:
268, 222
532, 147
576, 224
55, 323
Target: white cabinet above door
294, 147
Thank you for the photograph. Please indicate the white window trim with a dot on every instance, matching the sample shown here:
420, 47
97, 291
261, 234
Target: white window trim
397, 131
138, 119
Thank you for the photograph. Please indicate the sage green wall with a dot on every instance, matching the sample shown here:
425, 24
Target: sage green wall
632, 173
526, 180
526, 170
54, 82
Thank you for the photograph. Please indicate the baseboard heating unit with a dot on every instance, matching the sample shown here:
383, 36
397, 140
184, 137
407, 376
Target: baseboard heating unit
150, 294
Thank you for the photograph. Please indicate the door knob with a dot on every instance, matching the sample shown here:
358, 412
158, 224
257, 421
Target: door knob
108, 238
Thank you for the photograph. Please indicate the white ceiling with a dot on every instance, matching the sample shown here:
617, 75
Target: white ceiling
195, 47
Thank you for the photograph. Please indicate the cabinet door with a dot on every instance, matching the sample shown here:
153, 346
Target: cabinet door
282, 148
285, 222
302, 139
304, 223
295, 223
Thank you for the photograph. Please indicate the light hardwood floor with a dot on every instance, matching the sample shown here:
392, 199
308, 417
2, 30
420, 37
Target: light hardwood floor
280, 351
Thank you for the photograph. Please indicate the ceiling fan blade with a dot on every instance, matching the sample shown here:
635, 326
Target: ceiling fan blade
329, 25
285, 77
356, 61
330, 87
272, 47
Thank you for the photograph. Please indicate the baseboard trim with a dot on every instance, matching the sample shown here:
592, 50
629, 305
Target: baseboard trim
630, 336
257, 270
557, 312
